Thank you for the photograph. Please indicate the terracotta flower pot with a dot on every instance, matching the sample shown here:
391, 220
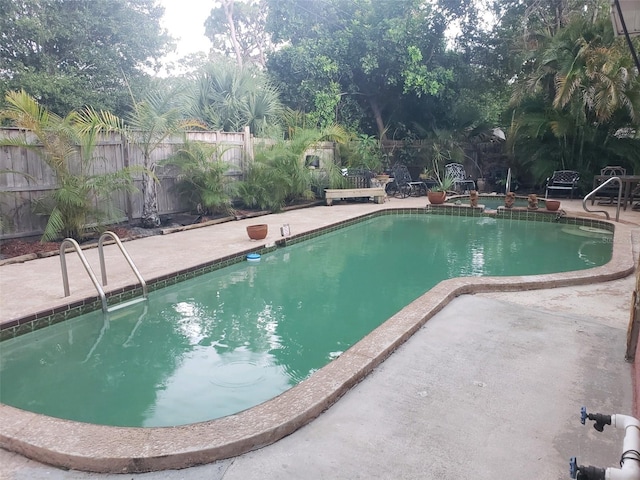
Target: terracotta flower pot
257, 232
436, 198
552, 205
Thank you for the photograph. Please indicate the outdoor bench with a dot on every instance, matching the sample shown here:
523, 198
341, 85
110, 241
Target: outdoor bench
377, 193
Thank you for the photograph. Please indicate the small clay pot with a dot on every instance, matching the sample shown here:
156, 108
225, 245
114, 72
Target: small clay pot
552, 205
257, 232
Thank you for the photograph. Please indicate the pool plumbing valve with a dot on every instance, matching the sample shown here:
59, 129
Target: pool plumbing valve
630, 459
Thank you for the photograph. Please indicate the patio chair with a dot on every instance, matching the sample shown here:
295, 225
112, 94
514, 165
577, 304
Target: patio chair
611, 190
562, 181
461, 182
403, 185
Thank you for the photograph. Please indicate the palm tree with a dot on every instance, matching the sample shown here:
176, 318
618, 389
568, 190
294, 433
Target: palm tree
581, 90
151, 122
228, 98
279, 176
67, 146
202, 180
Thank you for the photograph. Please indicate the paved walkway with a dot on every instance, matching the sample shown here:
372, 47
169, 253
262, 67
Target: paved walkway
490, 387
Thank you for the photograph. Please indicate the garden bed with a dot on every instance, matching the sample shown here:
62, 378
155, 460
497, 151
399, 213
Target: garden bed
28, 248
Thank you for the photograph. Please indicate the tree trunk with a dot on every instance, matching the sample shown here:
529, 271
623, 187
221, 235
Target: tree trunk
377, 114
150, 217
228, 11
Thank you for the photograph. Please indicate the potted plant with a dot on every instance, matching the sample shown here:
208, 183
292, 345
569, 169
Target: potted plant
552, 205
438, 193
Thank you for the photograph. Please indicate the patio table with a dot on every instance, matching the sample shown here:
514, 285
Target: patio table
629, 183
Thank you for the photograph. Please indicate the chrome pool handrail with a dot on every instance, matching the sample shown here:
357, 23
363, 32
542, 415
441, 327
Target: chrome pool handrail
85, 264
595, 190
124, 252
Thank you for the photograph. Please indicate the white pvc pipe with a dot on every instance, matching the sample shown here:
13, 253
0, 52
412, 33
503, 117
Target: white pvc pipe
630, 469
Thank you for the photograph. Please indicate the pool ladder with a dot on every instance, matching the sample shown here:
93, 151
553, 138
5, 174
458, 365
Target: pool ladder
92, 276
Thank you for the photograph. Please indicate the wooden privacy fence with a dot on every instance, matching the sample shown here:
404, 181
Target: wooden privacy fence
113, 152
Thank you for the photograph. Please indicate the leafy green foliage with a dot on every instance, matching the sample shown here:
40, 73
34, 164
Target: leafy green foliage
225, 97
81, 200
202, 180
73, 53
574, 101
156, 117
368, 153
278, 176
361, 63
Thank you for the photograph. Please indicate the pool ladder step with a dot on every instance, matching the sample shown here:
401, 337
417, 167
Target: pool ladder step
126, 304
92, 276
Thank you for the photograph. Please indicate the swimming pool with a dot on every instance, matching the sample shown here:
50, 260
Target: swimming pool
229, 340
108, 449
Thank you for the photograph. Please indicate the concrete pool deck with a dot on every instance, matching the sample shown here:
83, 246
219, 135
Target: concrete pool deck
518, 367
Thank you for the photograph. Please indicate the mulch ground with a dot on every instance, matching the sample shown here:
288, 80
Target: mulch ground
32, 245
23, 246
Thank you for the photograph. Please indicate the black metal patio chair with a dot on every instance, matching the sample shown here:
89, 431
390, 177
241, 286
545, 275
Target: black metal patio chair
610, 191
562, 181
403, 185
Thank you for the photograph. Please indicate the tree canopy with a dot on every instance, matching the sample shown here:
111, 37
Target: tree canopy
389, 68
576, 99
372, 65
73, 53
237, 30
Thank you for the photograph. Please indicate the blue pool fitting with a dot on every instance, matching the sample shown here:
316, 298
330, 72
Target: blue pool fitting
253, 257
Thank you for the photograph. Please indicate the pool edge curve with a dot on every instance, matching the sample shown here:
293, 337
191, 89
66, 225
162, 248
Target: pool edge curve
106, 449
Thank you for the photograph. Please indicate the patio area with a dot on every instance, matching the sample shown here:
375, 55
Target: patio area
490, 387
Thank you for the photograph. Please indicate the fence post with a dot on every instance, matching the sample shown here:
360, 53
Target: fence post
124, 145
248, 149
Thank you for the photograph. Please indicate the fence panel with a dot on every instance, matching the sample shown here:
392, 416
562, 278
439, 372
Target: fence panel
35, 179
113, 153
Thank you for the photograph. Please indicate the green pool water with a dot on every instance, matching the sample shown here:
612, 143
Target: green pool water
229, 340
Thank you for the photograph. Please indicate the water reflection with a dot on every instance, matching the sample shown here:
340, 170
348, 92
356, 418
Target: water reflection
223, 342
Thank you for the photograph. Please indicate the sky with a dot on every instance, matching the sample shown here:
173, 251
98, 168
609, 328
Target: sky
185, 21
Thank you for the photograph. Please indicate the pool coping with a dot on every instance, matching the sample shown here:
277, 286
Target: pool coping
133, 450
